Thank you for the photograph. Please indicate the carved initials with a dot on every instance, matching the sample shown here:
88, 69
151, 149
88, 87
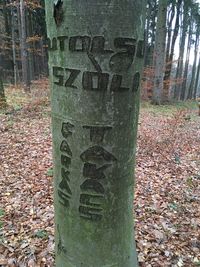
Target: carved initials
67, 129
91, 171
65, 148
64, 184
97, 153
72, 77
97, 133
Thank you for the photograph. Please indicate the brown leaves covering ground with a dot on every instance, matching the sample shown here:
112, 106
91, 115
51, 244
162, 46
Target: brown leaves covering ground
167, 193
168, 190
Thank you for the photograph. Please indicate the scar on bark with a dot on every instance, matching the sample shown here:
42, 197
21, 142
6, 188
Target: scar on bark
58, 12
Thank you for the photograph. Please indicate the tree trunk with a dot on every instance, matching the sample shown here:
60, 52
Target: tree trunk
146, 36
2, 94
197, 80
169, 61
185, 75
15, 67
159, 52
24, 52
95, 60
179, 72
153, 6
170, 19
194, 67
30, 55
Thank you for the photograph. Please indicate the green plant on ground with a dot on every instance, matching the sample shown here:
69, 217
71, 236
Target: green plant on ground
41, 234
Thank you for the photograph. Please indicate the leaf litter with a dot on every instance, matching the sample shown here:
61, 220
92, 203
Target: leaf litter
167, 194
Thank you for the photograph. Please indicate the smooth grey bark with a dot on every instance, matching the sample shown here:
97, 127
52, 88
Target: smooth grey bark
95, 61
159, 53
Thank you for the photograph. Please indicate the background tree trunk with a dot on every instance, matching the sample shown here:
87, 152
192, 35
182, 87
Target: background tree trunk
159, 52
194, 67
95, 64
196, 86
15, 66
24, 52
2, 94
179, 71
185, 75
169, 61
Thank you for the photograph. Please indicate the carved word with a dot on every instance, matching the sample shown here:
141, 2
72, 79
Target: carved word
96, 161
64, 191
96, 44
93, 81
121, 56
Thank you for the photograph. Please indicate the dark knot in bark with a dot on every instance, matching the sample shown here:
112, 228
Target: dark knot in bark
58, 12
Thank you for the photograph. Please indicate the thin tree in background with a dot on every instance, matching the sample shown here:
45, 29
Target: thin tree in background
196, 86
15, 66
194, 67
179, 71
186, 66
150, 31
2, 94
159, 52
169, 57
24, 52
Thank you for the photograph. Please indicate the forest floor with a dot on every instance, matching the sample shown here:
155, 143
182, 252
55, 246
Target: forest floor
167, 197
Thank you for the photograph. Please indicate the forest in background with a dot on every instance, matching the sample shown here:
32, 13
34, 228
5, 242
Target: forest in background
171, 47
23, 48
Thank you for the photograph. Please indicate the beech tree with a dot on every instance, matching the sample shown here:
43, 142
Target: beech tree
95, 61
159, 52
